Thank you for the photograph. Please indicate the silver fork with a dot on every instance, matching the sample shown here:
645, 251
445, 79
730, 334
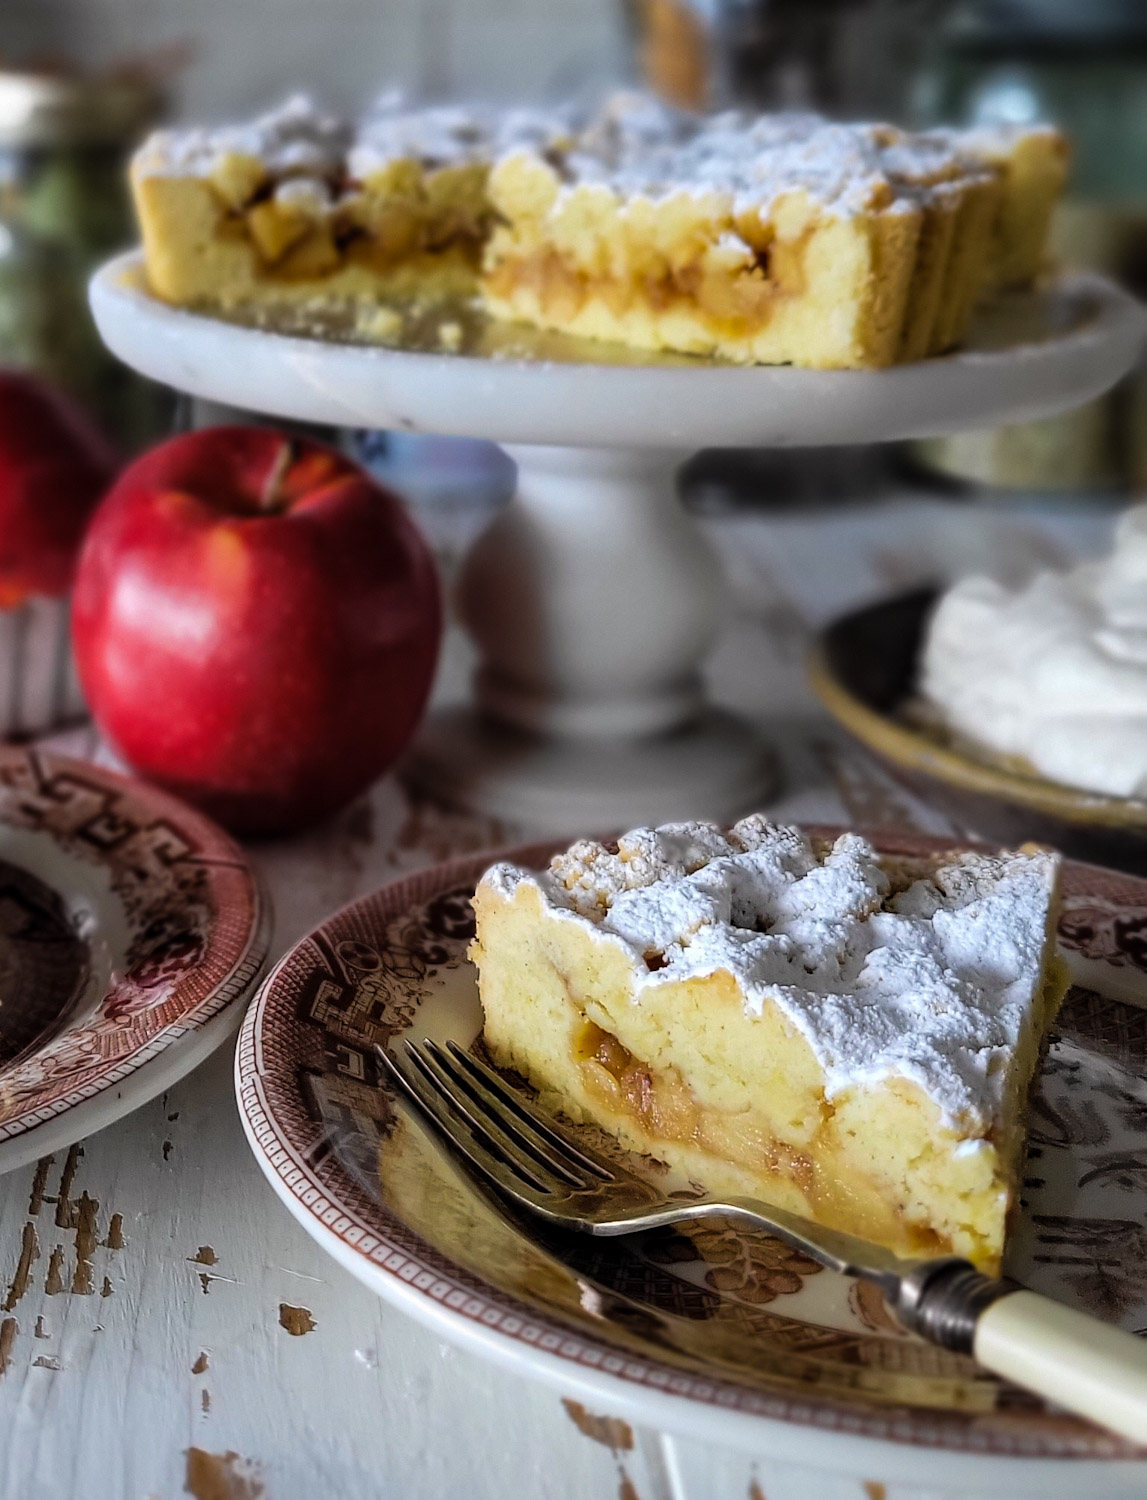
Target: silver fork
1074, 1360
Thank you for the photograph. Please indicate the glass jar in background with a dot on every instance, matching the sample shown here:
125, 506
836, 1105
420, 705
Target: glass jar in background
847, 58
64, 208
1083, 67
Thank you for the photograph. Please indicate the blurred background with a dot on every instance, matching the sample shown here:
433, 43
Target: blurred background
83, 79
236, 57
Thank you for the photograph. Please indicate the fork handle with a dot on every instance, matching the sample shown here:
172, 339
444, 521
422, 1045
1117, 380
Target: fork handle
1076, 1361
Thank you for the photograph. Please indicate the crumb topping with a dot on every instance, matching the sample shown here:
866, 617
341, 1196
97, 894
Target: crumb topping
640, 148
294, 139
633, 145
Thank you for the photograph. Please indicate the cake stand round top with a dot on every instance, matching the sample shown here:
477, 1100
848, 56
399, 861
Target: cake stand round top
453, 371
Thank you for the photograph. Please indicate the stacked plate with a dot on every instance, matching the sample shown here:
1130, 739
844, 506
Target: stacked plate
133, 930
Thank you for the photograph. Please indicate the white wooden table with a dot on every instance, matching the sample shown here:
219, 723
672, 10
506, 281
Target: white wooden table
166, 1328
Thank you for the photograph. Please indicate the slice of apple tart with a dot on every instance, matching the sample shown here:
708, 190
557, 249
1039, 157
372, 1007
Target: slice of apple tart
847, 1035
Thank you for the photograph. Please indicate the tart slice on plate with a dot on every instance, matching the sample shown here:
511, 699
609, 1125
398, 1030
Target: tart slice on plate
845, 1034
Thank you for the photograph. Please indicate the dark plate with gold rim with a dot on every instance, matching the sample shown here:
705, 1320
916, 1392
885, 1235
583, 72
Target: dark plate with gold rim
864, 670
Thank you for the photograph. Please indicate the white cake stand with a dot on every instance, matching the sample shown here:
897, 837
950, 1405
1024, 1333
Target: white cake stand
592, 597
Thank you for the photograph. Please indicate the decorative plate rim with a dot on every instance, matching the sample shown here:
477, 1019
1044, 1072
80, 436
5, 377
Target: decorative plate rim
371, 1238
127, 813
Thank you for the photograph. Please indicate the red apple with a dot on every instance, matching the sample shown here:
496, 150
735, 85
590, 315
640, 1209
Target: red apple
54, 466
256, 624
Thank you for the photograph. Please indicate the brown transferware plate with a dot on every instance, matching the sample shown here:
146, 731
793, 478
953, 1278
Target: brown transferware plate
717, 1331
131, 930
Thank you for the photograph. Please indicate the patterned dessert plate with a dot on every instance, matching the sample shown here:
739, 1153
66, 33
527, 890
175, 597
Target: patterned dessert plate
716, 1333
130, 929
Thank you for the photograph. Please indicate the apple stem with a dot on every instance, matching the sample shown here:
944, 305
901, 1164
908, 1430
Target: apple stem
271, 497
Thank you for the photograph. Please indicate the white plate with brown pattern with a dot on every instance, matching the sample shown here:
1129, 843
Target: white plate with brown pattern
131, 930
717, 1333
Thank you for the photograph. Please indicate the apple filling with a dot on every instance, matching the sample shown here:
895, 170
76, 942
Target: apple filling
735, 304
663, 1110
666, 1110
301, 230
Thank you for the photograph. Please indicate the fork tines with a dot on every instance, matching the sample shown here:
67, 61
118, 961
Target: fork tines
489, 1122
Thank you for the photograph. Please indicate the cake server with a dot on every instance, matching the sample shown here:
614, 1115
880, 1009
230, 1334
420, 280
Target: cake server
1074, 1360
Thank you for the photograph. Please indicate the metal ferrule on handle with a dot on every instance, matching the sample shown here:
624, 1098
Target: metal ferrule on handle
1070, 1358
942, 1301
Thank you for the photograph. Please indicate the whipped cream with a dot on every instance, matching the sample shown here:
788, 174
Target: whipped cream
1054, 672
934, 983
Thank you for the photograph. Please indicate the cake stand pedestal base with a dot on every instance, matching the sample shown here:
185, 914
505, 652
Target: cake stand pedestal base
593, 599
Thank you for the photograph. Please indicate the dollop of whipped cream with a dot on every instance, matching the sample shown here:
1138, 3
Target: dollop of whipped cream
933, 983
1054, 672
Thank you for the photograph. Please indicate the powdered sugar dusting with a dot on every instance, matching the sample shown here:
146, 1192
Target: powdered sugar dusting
641, 149
450, 135
296, 138
934, 983
299, 139
632, 145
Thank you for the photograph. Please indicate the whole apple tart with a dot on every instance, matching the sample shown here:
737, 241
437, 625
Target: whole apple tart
756, 239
